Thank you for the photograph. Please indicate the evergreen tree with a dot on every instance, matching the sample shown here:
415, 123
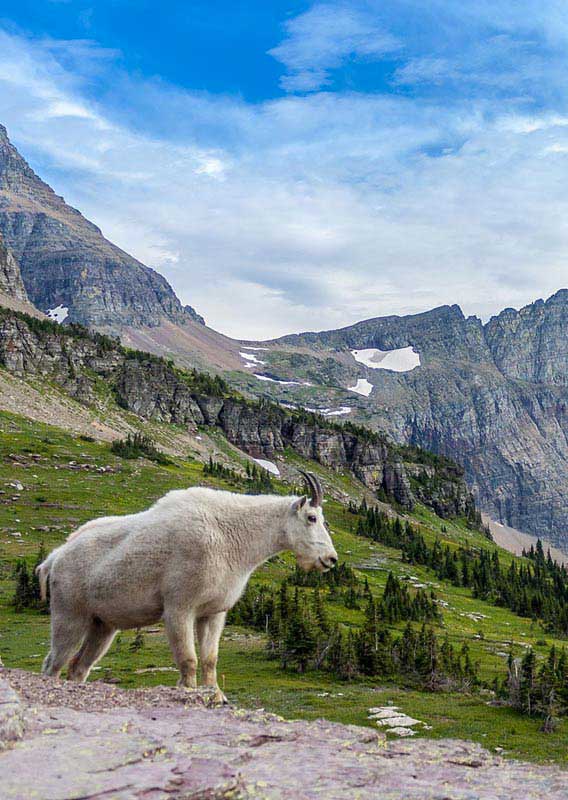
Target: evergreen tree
23, 592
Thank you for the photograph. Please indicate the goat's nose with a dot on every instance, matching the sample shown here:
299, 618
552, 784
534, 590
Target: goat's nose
332, 561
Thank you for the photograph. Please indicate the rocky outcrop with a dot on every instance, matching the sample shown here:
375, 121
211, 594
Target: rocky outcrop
65, 260
532, 344
155, 389
98, 741
11, 715
493, 397
11, 283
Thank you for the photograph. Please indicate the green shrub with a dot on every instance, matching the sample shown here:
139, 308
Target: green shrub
138, 445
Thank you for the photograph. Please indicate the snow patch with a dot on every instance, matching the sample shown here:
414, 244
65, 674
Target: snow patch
249, 347
270, 466
330, 412
338, 412
362, 387
254, 361
58, 314
283, 383
404, 359
275, 380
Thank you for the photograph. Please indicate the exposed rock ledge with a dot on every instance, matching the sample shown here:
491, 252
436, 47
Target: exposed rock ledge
62, 741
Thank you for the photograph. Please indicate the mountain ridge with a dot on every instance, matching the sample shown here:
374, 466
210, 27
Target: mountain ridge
493, 395
65, 259
153, 389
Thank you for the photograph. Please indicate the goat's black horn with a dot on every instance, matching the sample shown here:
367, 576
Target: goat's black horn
314, 486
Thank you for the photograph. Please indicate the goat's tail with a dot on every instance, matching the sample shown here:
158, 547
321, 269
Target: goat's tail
42, 571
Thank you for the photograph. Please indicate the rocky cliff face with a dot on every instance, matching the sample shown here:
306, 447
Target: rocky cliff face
154, 389
11, 283
493, 397
532, 344
65, 260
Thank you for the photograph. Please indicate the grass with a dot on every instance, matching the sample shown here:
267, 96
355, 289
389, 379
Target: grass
59, 494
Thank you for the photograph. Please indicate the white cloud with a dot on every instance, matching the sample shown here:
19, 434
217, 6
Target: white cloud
307, 211
319, 40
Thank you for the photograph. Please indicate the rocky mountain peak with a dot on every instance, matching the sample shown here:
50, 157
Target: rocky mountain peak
66, 261
531, 344
12, 165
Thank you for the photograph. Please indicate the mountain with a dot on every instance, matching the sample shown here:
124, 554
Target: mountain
493, 396
65, 261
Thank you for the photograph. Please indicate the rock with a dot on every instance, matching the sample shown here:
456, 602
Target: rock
99, 741
402, 732
401, 721
11, 283
384, 712
11, 715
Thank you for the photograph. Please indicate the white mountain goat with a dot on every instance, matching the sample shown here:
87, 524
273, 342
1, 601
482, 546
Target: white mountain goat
185, 560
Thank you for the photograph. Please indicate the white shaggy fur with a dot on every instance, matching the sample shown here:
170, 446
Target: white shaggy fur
185, 560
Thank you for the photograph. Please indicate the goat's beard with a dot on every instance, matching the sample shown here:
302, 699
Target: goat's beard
309, 564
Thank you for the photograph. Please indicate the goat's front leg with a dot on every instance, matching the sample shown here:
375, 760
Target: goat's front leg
179, 630
209, 630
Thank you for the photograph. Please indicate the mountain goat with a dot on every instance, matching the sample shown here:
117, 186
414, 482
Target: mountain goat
185, 560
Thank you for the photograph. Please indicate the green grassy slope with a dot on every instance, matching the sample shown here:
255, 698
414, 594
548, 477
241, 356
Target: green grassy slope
59, 493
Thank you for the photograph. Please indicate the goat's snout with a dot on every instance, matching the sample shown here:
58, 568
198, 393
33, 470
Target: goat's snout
329, 562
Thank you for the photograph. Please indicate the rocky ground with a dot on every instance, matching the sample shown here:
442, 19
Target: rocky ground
61, 741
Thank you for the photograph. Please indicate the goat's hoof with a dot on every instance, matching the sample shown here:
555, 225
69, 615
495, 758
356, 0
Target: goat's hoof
219, 699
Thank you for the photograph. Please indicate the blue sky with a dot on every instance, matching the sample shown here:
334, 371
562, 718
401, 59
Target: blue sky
295, 165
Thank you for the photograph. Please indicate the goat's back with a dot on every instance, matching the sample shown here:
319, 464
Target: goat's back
134, 551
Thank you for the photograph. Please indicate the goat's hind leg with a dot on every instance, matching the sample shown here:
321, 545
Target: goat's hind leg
209, 630
67, 635
99, 639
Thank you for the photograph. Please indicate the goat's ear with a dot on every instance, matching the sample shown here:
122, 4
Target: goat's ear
299, 503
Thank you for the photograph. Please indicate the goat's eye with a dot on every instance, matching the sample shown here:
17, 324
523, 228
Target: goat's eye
312, 518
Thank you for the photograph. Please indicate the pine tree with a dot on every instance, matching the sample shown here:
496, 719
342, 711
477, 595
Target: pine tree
300, 641
320, 612
349, 669
23, 592
528, 681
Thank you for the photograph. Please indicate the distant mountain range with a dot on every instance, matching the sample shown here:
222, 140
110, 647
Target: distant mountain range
494, 397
